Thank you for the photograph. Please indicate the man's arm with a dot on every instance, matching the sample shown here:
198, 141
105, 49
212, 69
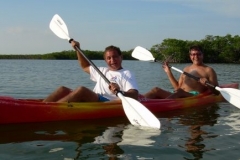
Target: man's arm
81, 60
132, 93
212, 79
171, 78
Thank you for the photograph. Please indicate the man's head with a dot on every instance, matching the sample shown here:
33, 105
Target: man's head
196, 48
196, 54
113, 57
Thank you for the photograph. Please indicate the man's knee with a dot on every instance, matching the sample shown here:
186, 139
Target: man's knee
64, 89
156, 90
179, 90
81, 90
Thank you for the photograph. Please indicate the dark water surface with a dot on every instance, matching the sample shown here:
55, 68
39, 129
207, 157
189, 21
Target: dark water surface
205, 132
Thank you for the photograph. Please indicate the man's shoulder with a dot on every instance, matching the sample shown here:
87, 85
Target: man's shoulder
121, 71
102, 69
186, 68
209, 68
126, 72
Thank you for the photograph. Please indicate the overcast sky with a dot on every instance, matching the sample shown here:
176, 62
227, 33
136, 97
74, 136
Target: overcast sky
24, 26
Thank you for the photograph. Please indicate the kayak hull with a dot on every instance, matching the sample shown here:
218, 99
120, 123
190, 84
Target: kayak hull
33, 110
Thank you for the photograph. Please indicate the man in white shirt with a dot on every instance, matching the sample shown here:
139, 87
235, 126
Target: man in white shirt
121, 80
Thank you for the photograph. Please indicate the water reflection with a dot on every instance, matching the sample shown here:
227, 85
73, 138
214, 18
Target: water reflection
197, 120
185, 134
137, 136
114, 139
76, 139
70, 139
128, 135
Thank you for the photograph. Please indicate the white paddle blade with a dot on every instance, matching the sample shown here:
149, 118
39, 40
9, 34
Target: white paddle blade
231, 95
142, 54
138, 114
58, 27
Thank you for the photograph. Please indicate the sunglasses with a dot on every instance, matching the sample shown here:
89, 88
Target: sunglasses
196, 54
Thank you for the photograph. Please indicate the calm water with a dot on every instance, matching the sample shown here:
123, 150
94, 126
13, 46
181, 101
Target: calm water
210, 132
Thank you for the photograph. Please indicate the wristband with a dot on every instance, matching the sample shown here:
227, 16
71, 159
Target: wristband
120, 92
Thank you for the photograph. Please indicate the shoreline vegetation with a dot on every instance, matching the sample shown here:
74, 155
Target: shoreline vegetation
217, 49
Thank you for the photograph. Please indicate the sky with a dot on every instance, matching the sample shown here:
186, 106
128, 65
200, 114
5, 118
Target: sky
96, 24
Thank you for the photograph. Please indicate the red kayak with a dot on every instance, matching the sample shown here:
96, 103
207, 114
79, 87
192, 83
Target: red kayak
34, 110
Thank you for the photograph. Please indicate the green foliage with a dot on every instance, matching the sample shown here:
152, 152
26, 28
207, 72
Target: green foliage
173, 49
66, 55
216, 49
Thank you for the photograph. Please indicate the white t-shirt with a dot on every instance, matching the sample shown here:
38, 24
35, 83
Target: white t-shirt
124, 78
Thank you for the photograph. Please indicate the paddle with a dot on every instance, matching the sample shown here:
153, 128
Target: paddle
230, 94
137, 113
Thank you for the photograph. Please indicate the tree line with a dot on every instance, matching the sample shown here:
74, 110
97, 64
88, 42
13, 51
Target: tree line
217, 49
65, 55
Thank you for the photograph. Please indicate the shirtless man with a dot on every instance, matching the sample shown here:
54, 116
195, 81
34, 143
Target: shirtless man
186, 86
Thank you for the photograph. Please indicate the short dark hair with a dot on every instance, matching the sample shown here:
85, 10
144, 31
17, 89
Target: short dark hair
196, 47
113, 48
